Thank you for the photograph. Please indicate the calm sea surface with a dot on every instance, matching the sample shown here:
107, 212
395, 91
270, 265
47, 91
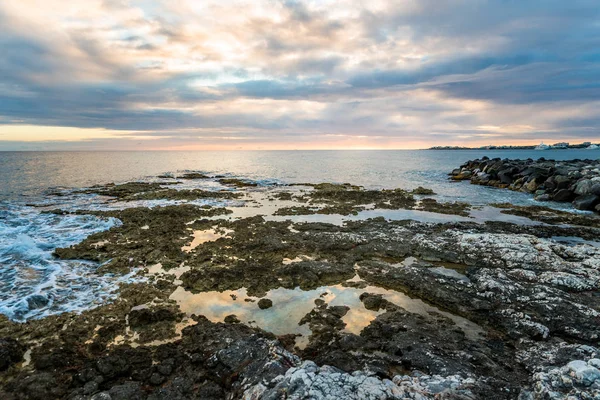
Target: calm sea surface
24, 175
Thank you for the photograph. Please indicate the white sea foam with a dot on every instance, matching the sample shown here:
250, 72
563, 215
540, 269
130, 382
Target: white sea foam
33, 283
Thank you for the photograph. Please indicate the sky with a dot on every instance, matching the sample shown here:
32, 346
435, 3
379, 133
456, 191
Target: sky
266, 74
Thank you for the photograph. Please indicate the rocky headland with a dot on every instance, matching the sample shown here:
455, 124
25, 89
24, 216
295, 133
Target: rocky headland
574, 181
382, 309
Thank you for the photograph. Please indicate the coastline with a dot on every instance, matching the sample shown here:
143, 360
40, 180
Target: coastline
475, 303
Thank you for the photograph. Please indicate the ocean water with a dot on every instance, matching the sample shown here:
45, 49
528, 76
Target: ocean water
27, 174
34, 284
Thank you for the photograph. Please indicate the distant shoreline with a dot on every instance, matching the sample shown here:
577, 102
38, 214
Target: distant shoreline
560, 146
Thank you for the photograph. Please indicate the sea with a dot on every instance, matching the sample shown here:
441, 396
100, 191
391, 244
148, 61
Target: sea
34, 284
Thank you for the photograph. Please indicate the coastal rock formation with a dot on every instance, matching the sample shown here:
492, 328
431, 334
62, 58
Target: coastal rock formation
576, 181
309, 381
379, 308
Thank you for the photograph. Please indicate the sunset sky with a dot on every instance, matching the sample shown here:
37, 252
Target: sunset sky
183, 74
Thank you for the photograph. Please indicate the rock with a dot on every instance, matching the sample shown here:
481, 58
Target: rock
373, 302
146, 316
127, 391
562, 182
543, 197
231, 319
563, 195
584, 187
576, 380
588, 376
101, 396
550, 183
309, 381
423, 191
193, 175
586, 202
11, 352
37, 301
530, 186
265, 303
506, 176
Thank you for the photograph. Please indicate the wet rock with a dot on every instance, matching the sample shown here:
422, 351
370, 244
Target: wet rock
563, 195
519, 290
551, 216
193, 175
265, 303
422, 191
586, 202
146, 316
231, 319
237, 182
560, 180
11, 352
37, 301
373, 302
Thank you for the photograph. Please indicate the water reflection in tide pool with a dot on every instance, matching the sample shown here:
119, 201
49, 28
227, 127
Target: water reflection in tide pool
291, 305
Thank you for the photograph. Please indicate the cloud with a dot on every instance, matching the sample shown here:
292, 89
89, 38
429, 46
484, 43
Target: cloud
414, 72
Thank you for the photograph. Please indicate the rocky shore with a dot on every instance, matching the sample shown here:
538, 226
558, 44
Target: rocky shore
574, 181
385, 309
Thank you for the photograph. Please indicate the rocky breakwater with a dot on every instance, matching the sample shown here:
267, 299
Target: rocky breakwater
575, 181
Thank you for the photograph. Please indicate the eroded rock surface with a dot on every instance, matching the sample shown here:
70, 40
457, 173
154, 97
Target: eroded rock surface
506, 311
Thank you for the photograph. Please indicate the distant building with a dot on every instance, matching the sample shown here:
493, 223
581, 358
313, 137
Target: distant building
560, 145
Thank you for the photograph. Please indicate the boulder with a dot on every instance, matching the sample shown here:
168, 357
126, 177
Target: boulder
550, 183
37, 301
584, 187
587, 202
506, 176
562, 182
563, 195
530, 186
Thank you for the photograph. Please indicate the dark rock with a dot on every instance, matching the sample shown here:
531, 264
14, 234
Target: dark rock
563, 195
506, 176
587, 202
231, 319
562, 182
373, 302
37, 301
11, 352
127, 391
145, 316
265, 303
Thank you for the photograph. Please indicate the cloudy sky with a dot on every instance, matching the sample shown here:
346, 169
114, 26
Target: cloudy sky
184, 74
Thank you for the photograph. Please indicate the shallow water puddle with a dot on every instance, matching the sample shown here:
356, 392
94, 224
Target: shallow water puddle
157, 269
291, 305
449, 272
203, 236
